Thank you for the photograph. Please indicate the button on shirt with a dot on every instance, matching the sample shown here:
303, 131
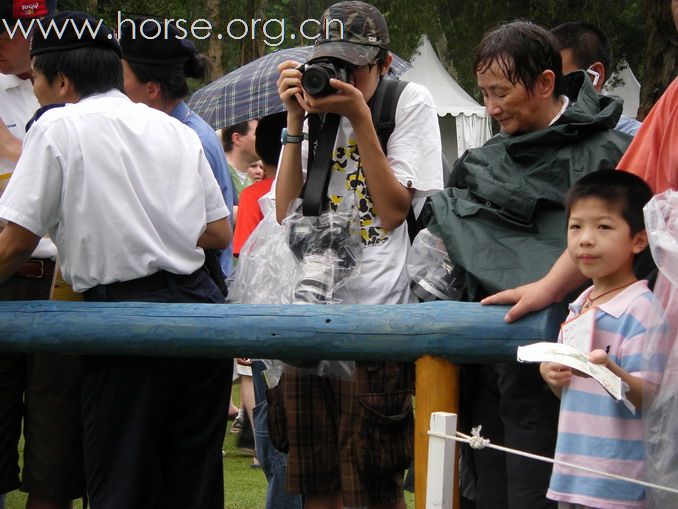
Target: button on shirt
123, 190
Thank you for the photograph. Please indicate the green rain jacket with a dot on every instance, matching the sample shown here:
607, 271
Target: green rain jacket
502, 215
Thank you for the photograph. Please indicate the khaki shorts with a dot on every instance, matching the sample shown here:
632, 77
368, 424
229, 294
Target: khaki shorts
350, 437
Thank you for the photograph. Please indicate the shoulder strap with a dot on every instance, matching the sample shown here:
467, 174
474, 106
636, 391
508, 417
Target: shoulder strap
383, 105
314, 194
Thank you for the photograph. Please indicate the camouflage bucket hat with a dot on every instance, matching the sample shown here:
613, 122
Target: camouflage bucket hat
352, 31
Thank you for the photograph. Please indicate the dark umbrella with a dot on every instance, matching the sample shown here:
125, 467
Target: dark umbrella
250, 91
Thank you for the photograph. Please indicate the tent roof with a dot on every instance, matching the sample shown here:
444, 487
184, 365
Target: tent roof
449, 97
629, 91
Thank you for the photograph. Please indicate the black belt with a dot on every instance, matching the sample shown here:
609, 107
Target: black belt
123, 289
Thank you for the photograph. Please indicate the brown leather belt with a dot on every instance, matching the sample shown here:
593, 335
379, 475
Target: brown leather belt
36, 268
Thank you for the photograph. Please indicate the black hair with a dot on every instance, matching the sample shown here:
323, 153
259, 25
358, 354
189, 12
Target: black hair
587, 43
172, 77
523, 51
91, 69
617, 188
380, 59
268, 143
242, 128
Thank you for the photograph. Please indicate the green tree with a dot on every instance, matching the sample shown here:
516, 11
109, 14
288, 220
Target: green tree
661, 55
464, 24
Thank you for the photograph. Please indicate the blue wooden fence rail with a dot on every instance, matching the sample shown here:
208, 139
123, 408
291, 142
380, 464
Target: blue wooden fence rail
460, 331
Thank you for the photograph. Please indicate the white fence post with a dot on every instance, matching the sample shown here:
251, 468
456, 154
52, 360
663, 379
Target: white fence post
441, 464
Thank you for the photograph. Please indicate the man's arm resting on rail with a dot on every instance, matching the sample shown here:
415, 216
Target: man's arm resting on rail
563, 278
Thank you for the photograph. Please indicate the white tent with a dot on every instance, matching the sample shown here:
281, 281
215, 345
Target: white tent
627, 88
463, 122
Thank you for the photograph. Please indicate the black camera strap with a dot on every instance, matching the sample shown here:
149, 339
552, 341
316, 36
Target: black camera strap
314, 194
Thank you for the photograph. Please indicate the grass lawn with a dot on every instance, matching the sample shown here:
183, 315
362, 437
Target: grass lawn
244, 486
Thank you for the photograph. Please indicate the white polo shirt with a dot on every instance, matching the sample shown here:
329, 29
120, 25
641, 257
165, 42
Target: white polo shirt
123, 190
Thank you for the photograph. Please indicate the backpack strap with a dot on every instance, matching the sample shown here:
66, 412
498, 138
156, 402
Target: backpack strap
384, 104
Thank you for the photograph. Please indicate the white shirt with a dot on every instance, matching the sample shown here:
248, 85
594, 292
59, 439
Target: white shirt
17, 105
123, 190
414, 155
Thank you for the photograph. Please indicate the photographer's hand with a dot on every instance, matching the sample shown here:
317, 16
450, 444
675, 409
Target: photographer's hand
290, 178
291, 93
348, 102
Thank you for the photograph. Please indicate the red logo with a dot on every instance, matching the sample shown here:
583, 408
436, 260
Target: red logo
29, 9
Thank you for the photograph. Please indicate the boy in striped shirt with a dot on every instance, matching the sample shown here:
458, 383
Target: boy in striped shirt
612, 320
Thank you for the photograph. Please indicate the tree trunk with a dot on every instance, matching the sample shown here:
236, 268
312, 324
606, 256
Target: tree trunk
215, 49
661, 56
252, 46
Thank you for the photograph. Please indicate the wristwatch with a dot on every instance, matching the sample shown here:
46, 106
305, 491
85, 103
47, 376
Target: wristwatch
290, 138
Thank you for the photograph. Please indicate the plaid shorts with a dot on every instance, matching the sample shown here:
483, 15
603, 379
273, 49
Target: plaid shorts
351, 437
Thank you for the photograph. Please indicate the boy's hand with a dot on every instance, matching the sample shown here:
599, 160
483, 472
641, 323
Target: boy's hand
348, 101
555, 375
289, 89
599, 356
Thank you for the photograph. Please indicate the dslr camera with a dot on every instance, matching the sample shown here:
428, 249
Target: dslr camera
315, 77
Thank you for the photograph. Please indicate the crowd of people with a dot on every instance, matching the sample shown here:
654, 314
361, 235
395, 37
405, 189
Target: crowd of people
115, 182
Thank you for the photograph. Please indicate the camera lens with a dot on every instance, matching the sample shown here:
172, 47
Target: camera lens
316, 81
318, 278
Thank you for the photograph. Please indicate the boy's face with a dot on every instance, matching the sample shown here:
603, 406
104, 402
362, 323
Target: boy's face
367, 79
46, 92
134, 89
600, 243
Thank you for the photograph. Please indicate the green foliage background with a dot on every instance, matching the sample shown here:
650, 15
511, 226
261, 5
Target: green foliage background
454, 27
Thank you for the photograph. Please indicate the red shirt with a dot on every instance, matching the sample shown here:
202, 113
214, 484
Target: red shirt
249, 213
653, 153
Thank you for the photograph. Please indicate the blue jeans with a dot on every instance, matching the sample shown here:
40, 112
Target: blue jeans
273, 462
2, 501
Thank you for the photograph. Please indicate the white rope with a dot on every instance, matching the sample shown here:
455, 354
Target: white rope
476, 441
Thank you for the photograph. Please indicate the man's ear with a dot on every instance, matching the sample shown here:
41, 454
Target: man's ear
599, 69
66, 89
639, 242
386, 65
154, 92
545, 84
